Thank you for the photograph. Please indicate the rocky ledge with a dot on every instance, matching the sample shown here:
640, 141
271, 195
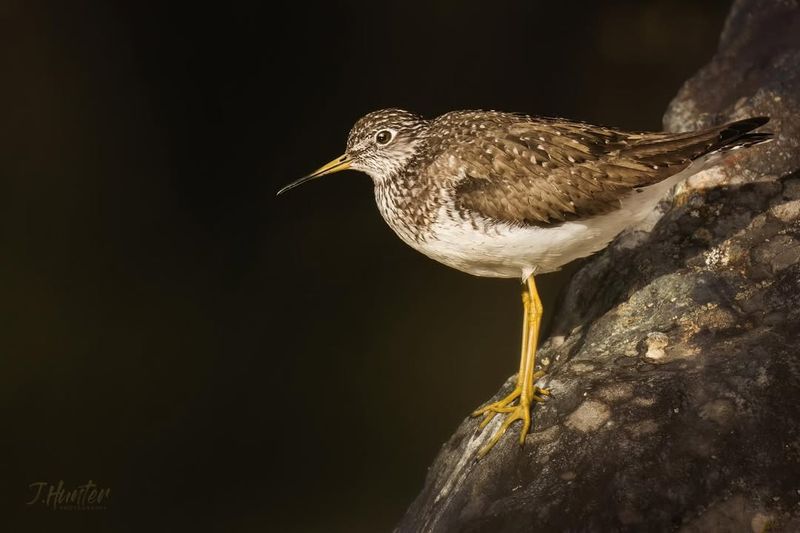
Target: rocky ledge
675, 357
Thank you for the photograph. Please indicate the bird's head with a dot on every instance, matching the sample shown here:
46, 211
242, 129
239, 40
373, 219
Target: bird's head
380, 144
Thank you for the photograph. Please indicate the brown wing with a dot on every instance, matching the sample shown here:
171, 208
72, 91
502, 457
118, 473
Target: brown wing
545, 171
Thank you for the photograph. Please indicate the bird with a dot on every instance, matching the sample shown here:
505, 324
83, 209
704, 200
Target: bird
510, 195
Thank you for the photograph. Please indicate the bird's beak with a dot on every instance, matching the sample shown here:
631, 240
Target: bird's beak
338, 164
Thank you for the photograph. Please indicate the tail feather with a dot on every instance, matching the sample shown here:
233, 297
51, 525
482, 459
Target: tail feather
682, 148
737, 135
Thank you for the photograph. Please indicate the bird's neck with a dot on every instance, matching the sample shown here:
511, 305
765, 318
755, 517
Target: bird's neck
408, 200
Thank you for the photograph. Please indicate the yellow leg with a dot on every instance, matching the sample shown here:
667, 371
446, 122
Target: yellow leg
492, 409
525, 392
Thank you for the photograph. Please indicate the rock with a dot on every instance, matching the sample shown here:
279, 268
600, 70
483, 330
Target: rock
676, 370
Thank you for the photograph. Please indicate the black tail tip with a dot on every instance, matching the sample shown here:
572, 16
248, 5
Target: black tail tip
747, 124
736, 131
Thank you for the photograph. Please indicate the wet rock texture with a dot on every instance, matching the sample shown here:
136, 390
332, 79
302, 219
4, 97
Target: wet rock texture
675, 359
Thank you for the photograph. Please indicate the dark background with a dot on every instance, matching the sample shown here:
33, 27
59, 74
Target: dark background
224, 360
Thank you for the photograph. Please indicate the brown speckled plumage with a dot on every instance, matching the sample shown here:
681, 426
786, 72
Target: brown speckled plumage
532, 170
545, 171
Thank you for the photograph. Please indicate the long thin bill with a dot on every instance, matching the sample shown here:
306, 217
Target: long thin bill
337, 165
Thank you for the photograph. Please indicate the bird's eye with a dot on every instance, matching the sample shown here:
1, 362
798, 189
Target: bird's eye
383, 137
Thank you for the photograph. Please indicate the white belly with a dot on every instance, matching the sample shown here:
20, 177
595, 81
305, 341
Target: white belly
506, 251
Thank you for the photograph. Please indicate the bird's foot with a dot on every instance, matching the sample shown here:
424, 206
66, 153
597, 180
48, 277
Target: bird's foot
520, 411
502, 406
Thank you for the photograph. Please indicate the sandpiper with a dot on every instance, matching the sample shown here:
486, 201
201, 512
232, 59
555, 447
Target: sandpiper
508, 195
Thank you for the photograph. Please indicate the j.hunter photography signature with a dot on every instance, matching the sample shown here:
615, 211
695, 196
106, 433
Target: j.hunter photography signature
58, 497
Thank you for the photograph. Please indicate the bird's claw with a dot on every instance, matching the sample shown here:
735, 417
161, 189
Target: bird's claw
520, 411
